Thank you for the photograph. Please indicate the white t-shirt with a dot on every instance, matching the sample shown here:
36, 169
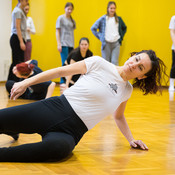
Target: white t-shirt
172, 26
99, 92
31, 26
111, 30
66, 30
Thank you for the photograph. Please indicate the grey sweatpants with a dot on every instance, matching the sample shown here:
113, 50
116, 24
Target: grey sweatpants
111, 52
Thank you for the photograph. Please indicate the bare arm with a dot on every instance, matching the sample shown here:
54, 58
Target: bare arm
50, 89
20, 87
32, 28
19, 34
58, 40
172, 32
28, 61
124, 128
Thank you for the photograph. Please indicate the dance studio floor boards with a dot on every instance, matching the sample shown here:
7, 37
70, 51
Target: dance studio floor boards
104, 150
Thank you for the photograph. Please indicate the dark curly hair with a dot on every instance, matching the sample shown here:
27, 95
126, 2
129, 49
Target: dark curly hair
152, 83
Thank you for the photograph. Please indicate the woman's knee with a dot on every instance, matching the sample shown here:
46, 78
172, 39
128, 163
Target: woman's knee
59, 146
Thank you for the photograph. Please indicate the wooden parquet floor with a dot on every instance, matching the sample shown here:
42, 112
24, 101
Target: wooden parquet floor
104, 150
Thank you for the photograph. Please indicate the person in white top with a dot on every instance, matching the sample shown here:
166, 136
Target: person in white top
110, 29
30, 30
172, 73
62, 121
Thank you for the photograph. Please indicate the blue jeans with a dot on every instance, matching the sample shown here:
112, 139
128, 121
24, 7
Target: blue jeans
64, 54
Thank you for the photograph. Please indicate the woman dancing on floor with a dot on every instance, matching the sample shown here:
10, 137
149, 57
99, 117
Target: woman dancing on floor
62, 121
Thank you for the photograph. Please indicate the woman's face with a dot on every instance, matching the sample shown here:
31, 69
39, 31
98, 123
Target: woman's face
26, 9
23, 3
137, 66
112, 10
68, 10
84, 46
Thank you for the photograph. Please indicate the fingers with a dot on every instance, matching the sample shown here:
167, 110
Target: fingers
133, 144
146, 148
138, 144
14, 94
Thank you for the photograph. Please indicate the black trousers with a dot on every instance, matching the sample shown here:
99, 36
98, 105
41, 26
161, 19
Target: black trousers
27, 94
172, 72
52, 118
17, 56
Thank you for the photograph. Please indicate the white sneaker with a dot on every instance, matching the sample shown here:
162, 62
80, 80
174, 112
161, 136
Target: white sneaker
171, 88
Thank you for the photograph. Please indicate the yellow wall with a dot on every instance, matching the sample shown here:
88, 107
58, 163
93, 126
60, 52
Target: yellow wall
147, 22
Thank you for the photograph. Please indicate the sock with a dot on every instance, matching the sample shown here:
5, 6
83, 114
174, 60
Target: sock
171, 83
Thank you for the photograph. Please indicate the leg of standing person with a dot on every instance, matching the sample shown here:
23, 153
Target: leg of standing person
115, 53
28, 51
106, 52
64, 55
60, 132
172, 73
70, 49
17, 56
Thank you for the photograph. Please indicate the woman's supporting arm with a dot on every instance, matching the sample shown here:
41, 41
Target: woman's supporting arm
124, 128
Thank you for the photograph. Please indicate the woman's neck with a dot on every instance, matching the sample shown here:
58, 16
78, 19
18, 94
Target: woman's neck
20, 6
83, 54
121, 73
67, 16
110, 16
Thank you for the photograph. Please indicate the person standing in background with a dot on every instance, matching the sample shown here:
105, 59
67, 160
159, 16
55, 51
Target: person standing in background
172, 73
18, 37
65, 26
30, 30
111, 32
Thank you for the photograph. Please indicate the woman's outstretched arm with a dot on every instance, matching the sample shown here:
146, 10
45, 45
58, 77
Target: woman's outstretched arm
124, 128
20, 87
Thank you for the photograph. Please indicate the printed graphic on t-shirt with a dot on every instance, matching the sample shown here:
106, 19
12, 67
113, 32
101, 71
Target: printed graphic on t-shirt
114, 87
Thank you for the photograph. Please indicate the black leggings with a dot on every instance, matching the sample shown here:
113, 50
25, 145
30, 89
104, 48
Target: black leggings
53, 118
172, 73
17, 56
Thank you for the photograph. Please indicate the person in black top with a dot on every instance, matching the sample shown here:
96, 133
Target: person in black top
76, 55
36, 92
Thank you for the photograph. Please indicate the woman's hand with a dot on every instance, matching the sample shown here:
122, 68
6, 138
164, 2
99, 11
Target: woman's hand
17, 90
59, 48
22, 46
138, 144
28, 30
